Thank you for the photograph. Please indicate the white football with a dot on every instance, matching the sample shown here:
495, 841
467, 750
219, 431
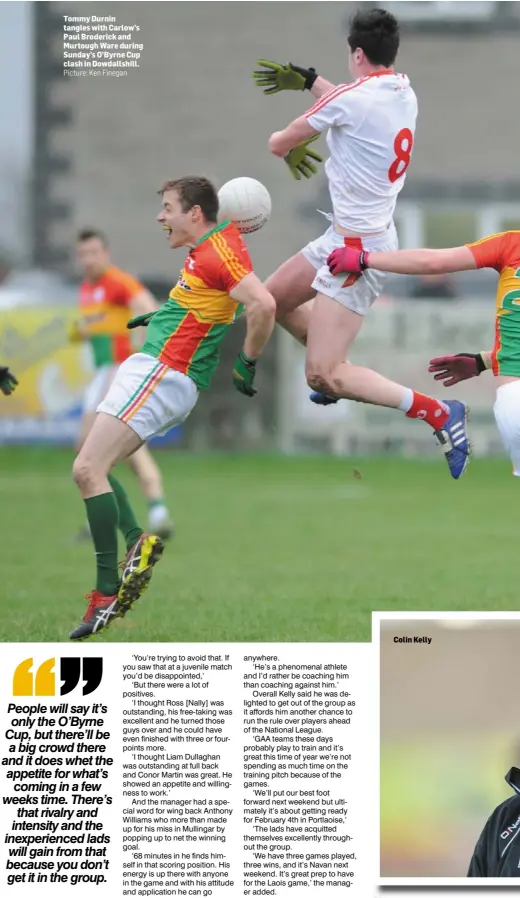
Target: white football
246, 202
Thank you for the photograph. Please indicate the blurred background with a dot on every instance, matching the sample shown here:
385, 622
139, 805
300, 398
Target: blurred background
79, 152
449, 735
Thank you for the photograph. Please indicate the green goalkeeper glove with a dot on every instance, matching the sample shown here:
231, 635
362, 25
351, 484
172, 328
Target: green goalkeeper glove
276, 77
298, 159
8, 381
140, 320
244, 374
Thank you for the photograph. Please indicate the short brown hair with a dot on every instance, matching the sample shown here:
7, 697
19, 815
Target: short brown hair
195, 191
92, 234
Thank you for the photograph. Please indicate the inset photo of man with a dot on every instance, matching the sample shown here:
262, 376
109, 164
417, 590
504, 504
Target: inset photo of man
450, 749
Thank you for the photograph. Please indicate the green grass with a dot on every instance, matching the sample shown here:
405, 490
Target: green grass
267, 549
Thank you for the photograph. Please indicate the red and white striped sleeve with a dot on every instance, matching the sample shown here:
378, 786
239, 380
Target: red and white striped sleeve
342, 105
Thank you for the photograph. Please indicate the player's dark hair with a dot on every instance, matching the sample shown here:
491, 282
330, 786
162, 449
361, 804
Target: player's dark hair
376, 32
92, 234
195, 191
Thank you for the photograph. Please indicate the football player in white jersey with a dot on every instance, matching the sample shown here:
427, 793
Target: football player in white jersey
370, 126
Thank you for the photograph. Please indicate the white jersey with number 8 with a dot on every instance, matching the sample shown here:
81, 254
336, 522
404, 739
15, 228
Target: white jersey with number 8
371, 126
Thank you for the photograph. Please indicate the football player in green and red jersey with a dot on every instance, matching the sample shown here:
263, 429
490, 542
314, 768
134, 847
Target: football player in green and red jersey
157, 388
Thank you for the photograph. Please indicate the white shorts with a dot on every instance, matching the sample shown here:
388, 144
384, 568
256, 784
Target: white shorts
148, 396
360, 295
98, 387
507, 416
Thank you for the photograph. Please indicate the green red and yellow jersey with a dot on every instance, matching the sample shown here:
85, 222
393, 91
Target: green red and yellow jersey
105, 312
187, 331
502, 252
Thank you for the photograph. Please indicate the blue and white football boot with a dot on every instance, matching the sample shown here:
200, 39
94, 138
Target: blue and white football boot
453, 438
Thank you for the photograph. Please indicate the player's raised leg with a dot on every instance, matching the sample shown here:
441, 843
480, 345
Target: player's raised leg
333, 328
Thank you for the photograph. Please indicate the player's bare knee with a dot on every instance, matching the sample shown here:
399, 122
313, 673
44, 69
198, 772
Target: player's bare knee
319, 380
83, 472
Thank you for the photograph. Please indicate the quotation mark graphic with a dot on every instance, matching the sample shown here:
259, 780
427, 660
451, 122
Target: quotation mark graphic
43, 681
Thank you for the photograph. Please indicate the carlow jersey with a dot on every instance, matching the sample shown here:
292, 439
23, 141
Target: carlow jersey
104, 306
502, 252
186, 332
371, 127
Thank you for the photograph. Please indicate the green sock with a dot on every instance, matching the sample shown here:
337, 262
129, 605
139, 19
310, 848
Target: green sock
103, 518
127, 520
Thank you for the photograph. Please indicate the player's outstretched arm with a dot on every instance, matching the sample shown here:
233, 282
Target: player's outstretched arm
423, 261
260, 310
403, 261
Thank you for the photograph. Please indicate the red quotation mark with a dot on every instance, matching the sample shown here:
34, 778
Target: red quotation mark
403, 145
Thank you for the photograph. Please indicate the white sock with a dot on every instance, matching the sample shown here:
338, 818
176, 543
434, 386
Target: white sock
407, 400
158, 515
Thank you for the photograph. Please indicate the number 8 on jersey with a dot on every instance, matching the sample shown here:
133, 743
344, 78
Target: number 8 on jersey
403, 145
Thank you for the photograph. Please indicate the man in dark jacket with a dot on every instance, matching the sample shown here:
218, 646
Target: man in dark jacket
497, 852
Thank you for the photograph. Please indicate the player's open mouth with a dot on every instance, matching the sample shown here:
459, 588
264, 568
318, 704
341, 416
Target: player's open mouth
168, 231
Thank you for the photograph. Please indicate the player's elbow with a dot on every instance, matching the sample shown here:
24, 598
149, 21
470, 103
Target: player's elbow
264, 303
277, 144
435, 267
436, 262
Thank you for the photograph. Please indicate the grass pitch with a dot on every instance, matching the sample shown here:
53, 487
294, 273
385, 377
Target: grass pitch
267, 549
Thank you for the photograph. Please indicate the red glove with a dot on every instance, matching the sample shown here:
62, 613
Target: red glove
346, 259
451, 369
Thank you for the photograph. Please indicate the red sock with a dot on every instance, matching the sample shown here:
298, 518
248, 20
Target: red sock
433, 411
